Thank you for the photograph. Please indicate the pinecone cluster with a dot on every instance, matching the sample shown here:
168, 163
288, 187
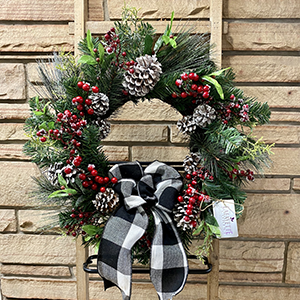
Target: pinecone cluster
143, 76
58, 168
191, 162
104, 127
202, 116
100, 103
107, 201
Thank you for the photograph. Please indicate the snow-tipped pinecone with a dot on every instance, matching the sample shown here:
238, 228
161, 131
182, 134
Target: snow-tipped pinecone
53, 171
179, 212
191, 162
145, 75
186, 125
203, 115
100, 103
104, 127
107, 201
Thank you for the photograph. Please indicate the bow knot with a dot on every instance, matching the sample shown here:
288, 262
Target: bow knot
157, 187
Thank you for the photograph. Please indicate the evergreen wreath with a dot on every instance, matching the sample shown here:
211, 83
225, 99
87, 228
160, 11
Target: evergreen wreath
69, 120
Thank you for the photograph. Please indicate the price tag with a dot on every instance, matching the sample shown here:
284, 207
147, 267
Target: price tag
224, 212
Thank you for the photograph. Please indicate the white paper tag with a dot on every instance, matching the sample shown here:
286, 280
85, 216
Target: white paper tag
224, 212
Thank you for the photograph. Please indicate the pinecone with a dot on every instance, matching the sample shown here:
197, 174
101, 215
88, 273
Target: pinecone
191, 163
145, 75
106, 202
179, 212
100, 103
203, 115
186, 125
104, 127
58, 168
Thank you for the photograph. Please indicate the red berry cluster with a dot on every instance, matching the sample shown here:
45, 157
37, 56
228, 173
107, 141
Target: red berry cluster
145, 241
189, 86
84, 105
248, 174
92, 180
81, 219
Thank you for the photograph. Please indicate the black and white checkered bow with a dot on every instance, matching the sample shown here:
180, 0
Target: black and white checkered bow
157, 186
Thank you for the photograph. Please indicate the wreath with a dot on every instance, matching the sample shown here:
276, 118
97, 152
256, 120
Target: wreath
69, 119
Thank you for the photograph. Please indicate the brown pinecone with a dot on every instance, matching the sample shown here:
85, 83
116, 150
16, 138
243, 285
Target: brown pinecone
146, 74
106, 202
104, 127
204, 115
100, 103
191, 162
186, 125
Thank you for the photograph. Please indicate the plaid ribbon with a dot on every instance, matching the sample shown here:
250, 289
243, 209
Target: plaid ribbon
157, 187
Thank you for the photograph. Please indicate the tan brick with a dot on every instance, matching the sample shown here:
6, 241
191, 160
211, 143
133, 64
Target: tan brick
251, 256
12, 84
276, 96
14, 111
27, 270
266, 9
271, 216
285, 161
250, 277
12, 151
30, 10
282, 116
256, 68
159, 153
262, 36
154, 110
293, 264
18, 175
31, 38
36, 220
178, 137
156, 9
296, 184
277, 134
37, 249
8, 221
269, 184
138, 133
12, 131
95, 10
116, 153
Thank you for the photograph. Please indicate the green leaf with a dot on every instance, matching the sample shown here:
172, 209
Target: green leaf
199, 229
90, 229
148, 44
79, 200
87, 59
211, 220
173, 43
166, 39
101, 52
50, 125
216, 84
158, 44
218, 73
43, 126
45, 107
63, 193
89, 41
62, 181
38, 113
37, 102
215, 229
171, 24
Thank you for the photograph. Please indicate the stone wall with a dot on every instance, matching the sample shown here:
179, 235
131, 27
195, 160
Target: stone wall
261, 43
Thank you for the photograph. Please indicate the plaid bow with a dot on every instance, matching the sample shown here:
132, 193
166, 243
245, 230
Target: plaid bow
158, 187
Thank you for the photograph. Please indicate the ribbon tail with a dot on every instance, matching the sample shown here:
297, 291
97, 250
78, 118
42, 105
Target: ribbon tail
169, 264
121, 232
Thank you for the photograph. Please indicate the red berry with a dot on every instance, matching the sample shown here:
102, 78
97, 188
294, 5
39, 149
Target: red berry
73, 216
74, 101
86, 87
106, 179
196, 77
82, 176
74, 234
91, 167
80, 107
100, 180
79, 99
114, 180
80, 84
192, 200
194, 173
80, 215
205, 95
94, 173
206, 88
189, 191
200, 88
79, 132
78, 144
85, 184
189, 212
102, 189
67, 170
107, 36
190, 206
186, 218
94, 186
76, 162
43, 139
235, 171
124, 54
194, 223
191, 76
225, 122
232, 97
131, 71
90, 111
60, 115
81, 113
125, 93
174, 95
188, 176
95, 89
184, 76
88, 101
180, 199
194, 182
183, 95
194, 87
178, 82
